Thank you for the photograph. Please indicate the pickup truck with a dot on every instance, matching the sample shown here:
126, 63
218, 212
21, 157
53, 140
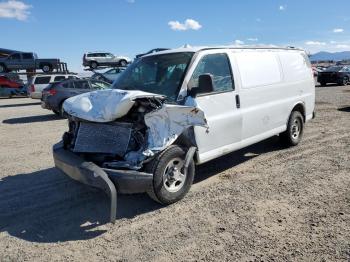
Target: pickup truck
27, 61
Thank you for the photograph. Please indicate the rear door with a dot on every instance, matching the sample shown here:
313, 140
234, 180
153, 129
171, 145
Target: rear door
221, 107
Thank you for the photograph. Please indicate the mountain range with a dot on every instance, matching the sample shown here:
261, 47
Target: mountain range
337, 56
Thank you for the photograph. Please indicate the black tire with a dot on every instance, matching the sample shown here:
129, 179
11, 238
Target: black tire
46, 68
3, 68
123, 63
62, 113
344, 81
57, 113
295, 128
323, 83
161, 191
93, 65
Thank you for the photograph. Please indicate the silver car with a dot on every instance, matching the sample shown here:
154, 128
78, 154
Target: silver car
98, 59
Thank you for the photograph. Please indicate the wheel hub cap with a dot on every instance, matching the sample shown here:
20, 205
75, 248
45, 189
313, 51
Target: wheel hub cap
173, 177
296, 128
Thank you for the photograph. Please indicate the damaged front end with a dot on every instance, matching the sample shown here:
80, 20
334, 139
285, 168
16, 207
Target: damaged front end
113, 134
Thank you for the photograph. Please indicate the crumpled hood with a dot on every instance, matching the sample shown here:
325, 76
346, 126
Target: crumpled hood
104, 105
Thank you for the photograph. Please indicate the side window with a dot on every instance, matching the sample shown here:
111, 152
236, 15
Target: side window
82, 85
27, 56
99, 85
218, 66
59, 78
68, 85
15, 57
42, 80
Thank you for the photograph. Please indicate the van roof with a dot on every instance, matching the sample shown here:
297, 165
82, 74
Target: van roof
195, 49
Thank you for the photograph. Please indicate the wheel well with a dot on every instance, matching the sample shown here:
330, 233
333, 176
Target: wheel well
300, 108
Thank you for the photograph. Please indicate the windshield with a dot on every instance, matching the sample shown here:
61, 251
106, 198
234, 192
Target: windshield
333, 69
159, 74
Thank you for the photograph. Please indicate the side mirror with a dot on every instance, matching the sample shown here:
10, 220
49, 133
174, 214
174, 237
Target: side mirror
205, 85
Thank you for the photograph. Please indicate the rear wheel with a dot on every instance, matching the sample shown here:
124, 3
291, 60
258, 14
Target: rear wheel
46, 68
171, 181
93, 65
295, 127
323, 83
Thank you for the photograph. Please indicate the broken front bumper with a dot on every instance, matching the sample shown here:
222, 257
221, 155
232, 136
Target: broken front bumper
110, 181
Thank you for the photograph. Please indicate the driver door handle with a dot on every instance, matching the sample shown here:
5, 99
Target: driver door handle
238, 101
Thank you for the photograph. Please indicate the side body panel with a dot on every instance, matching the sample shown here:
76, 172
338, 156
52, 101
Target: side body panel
266, 104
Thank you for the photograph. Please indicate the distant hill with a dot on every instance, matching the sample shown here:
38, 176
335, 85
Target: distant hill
337, 56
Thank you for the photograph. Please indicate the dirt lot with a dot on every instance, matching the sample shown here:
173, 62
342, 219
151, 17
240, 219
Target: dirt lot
261, 203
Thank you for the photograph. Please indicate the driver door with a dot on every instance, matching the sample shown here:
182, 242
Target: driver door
221, 108
14, 61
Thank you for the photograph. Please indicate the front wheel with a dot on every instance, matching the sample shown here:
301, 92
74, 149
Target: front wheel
344, 82
295, 127
171, 181
123, 63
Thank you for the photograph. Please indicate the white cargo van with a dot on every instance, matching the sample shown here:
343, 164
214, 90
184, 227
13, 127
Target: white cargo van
177, 108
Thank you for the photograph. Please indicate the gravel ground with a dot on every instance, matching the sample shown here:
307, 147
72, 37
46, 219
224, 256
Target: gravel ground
262, 203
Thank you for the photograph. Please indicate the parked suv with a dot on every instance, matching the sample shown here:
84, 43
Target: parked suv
335, 74
56, 93
172, 110
37, 83
97, 59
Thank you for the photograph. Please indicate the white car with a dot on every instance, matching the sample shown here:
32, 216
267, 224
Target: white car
179, 108
37, 83
98, 59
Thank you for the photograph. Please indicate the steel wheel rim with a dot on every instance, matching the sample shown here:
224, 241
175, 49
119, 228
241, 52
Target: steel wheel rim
173, 176
296, 128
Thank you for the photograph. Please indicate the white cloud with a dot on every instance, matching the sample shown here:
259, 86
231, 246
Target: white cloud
282, 7
258, 20
239, 42
315, 43
332, 42
338, 30
130, 1
14, 9
342, 46
189, 24
253, 39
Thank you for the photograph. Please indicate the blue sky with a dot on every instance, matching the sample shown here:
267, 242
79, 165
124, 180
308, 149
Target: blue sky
67, 28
